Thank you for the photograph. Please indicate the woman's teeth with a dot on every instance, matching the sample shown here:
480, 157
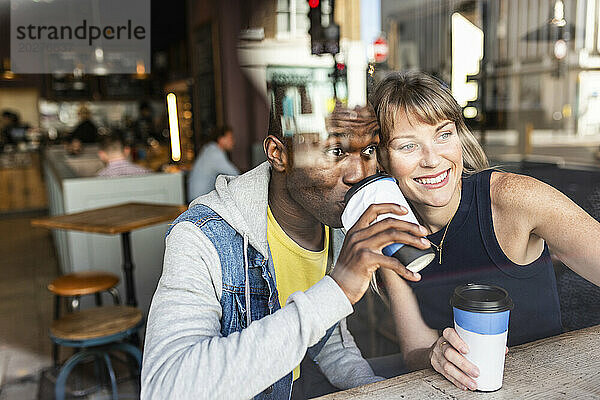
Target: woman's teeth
432, 181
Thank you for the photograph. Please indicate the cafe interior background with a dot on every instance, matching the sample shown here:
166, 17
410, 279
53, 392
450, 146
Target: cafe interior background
525, 72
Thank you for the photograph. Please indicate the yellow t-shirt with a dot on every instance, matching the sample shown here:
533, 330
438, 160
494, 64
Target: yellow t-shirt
296, 269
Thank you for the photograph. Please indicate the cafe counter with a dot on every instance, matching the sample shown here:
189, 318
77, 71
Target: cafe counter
21, 186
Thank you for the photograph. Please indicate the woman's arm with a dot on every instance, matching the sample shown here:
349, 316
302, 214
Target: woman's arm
422, 346
548, 214
413, 333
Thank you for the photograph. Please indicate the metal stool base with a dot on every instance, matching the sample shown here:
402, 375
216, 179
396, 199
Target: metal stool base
99, 353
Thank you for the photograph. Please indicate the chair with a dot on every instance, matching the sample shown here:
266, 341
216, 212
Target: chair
73, 286
96, 332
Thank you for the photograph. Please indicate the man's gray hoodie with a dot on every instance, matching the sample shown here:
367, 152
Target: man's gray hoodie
185, 355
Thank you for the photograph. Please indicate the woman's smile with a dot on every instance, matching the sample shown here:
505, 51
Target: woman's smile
434, 181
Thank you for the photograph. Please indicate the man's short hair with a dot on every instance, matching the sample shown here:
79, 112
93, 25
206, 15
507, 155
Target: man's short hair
359, 117
340, 118
144, 105
112, 143
12, 116
219, 132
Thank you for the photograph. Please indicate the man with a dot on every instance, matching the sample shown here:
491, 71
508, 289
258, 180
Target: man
144, 127
116, 157
8, 122
226, 320
85, 131
211, 162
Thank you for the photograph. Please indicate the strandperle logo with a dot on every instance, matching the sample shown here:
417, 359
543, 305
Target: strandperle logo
87, 36
84, 31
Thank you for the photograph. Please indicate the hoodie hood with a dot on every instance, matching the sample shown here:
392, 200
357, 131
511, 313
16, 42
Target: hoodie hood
242, 202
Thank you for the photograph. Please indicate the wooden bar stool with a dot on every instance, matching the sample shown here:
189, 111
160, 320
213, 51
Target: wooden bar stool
84, 283
96, 332
73, 286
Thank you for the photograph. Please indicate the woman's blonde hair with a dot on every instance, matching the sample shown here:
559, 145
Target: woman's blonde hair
428, 100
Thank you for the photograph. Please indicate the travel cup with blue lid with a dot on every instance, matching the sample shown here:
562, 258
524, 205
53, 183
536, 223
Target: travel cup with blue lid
481, 314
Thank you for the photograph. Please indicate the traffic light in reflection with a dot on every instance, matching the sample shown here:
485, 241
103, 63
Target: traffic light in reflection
324, 39
316, 29
338, 75
340, 71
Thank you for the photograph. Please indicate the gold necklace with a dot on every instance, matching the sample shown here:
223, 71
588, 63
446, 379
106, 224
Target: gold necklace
439, 248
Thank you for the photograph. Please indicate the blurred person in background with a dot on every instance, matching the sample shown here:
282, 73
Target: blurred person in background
84, 133
116, 157
144, 127
254, 295
13, 130
211, 162
8, 122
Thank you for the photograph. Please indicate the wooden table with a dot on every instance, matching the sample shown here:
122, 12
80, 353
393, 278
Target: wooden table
122, 219
561, 367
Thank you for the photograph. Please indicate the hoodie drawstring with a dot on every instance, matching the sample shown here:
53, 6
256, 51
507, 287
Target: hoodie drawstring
247, 285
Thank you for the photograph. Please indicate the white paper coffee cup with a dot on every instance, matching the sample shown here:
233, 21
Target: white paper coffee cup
383, 188
481, 314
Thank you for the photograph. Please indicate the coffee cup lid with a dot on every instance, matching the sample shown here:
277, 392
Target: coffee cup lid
361, 184
481, 298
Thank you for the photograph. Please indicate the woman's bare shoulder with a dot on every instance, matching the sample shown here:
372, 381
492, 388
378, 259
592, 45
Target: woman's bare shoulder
525, 196
514, 190
516, 213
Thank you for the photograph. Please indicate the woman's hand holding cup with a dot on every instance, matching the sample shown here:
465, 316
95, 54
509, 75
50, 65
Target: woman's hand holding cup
447, 358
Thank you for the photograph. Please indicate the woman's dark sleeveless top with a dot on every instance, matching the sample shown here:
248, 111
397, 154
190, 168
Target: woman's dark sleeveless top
471, 254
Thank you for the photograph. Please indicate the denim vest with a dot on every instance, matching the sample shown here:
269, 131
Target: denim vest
264, 298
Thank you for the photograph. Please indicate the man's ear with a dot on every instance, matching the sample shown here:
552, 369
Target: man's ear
277, 153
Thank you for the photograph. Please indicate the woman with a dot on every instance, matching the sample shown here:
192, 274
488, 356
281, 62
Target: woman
486, 227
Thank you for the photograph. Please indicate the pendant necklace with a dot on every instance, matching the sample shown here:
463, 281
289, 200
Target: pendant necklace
440, 247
